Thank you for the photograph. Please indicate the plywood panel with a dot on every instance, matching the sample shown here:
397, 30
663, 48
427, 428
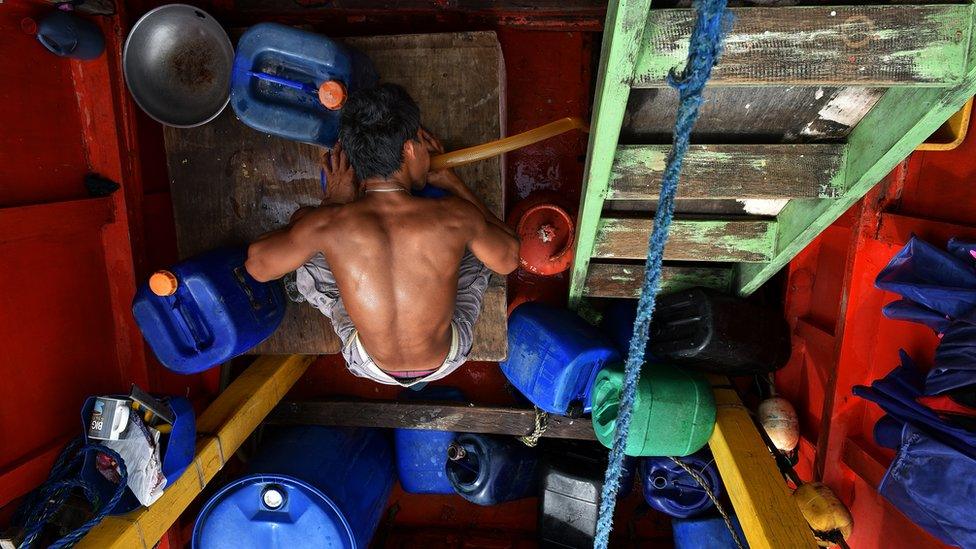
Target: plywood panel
230, 184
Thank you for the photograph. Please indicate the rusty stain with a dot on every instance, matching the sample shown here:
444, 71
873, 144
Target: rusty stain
193, 64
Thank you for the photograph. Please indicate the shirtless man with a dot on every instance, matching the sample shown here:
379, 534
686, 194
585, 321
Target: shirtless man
401, 278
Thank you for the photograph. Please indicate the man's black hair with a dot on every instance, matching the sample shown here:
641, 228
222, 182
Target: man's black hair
374, 125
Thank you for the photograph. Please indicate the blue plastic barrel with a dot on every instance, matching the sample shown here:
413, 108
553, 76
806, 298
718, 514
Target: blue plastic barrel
704, 533
307, 487
421, 454
217, 312
277, 72
489, 469
671, 490
554, 357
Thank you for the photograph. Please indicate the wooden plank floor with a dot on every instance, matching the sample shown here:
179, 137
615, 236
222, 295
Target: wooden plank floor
230, 183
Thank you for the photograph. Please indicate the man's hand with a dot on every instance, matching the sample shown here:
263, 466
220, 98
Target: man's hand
444, 178
341, 185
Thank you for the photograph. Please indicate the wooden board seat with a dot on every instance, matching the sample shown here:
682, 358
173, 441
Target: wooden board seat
230, 184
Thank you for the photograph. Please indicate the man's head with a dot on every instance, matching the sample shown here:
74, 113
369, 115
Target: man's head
379, 130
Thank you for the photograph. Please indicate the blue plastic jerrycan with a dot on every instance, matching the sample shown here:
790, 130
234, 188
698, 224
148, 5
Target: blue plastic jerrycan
206, 310
489, 469
307, 487
554, 357
292, 83
421, 454
705, 533
671, 490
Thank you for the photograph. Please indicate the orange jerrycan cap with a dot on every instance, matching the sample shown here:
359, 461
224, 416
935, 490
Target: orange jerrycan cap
163, 283
332, 94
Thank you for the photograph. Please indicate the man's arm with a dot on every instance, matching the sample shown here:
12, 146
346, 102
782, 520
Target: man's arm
494, 245
448, 180
492, 241
280, 252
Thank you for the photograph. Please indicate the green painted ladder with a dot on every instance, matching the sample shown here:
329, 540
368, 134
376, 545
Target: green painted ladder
924, 56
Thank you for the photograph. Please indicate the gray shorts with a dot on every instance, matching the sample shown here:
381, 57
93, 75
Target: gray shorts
316, 283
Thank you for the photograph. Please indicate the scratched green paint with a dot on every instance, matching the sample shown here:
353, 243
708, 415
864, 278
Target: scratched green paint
621, 41
944, 58
673, 279
940, 62
753, 241
646, 163
901, 120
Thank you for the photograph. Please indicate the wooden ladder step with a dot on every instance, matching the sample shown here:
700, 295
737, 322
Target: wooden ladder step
882, 46
690, 240
624, 281
731, 171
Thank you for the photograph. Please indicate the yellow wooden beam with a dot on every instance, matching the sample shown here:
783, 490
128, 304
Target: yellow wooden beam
221, 429
766, 510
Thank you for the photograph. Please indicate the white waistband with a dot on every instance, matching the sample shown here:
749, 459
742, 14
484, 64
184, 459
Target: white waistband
374, 371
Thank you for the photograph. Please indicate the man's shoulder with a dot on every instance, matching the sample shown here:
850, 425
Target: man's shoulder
458, 207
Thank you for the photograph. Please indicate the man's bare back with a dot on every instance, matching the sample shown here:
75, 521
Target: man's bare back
394, 259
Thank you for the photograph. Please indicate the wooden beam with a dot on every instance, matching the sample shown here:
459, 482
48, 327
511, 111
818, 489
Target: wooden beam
439, 416
882, 46
621, 43
902, 118
624, 281
765, 508
730, 171
750, 241
221, 429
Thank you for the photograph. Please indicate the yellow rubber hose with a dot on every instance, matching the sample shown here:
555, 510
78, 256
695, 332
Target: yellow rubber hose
461, 157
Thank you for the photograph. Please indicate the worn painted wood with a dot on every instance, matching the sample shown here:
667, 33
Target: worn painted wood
624, 281
768, 114
230, 184
55, 218
440, 416
730, 171
901, 120
752, 241
766, 510
892, 45
221, 430
621, 42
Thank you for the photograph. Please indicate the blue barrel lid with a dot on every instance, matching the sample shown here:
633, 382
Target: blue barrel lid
268, 511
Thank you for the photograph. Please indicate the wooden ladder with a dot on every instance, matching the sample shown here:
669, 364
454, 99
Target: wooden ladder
920, 60
913, 66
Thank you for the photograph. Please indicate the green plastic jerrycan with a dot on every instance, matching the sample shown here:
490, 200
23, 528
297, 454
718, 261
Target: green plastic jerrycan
674, 411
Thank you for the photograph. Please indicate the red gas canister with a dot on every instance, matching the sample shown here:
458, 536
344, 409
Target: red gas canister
547, 234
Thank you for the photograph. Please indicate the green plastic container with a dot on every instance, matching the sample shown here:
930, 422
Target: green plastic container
674, 412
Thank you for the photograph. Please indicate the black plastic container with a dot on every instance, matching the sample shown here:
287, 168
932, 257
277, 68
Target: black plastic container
489, 469
713, 332
569, 504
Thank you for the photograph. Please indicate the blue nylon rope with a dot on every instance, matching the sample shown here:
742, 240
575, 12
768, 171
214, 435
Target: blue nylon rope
44, 503
703, 52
